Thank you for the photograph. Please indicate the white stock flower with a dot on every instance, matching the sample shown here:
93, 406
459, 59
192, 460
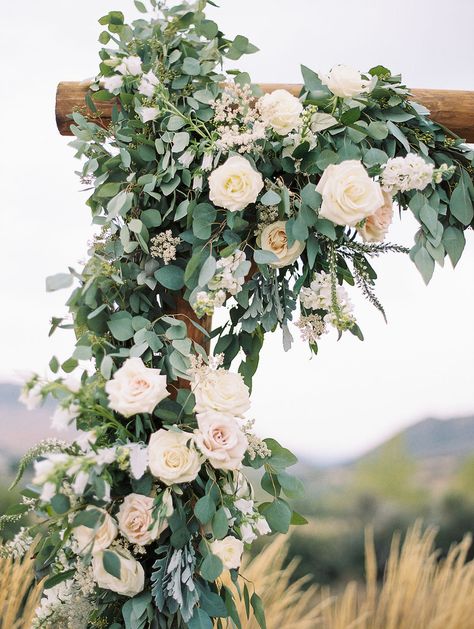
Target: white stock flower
349, 194
46, 467
221, 440
147, 114
80, 483
138, 459
244, 506
112, 83
130, 65
132, 575
148, 84
136, 521
247, 533
235, 184
47, 492
72, 383
63, 417
85, 439
31, 397
229, 550
91, 539
400, 174
172, 457
345, 81
222, 391
281, 111
135, 388
261, 526
375, 227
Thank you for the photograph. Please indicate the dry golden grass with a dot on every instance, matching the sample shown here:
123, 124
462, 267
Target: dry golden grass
418, 590
19, 596
286, 604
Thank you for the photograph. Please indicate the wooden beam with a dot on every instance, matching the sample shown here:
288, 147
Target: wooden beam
451, 108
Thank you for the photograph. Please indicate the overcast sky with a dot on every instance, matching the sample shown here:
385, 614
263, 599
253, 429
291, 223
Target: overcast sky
353, 394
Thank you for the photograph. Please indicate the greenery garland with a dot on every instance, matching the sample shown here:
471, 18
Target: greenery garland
209, 193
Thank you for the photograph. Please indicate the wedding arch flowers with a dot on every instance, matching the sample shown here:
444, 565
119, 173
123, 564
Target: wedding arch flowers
209, 193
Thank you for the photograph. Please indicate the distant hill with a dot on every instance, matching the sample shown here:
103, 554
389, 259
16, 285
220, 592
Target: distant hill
437, 444
20, 428
436, 438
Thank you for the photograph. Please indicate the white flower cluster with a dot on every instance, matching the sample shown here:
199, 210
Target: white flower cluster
401, 174
228, 278
249, 521
64, 606
18, 546
78, 469
311, 327
129, 66
237, 119
256, 447
164, 246
319, 296
266, 216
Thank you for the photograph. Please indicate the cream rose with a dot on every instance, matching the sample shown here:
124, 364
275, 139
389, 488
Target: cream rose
229, 550
345, 82
91, 539
221, 440
235, 184
222, 391
281, 111
136, 521
273, 238
375, 227
349, 194
172, 457
132, 575
135, 388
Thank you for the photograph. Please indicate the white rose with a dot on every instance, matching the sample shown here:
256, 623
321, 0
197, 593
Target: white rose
229, 550
130, 65
345, 82
281, 111
273, 238
132, 575
112, 83
135, 388
136, 521
222, 391
221, 440
172, 457
235, 184
349, 194
375, 227
91, 540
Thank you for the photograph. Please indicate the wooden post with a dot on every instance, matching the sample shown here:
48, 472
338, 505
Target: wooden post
451, 108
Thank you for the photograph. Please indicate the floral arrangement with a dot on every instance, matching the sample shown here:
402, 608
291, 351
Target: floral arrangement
210, 194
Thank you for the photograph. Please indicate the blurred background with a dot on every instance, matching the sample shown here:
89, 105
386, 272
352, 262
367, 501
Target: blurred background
384, 429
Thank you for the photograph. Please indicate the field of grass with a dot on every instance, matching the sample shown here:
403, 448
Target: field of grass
418, 590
